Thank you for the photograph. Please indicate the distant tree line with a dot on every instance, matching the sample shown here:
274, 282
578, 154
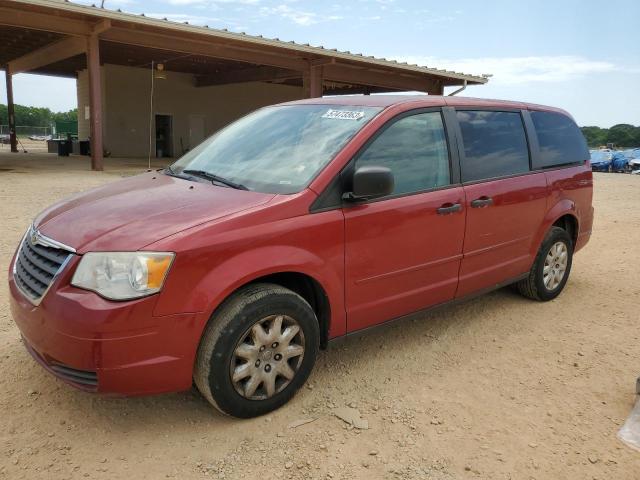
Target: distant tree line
622, 135
35, 116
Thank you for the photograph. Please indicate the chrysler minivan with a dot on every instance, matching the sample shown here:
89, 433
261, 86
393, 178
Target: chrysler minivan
297, 224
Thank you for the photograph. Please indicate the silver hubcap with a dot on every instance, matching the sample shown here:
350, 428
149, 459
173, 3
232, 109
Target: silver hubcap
555, 265
267, 357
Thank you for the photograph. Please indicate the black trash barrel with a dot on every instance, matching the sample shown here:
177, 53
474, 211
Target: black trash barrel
64, 148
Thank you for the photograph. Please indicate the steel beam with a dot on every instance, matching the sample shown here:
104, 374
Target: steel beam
11, 110
208, 48
52, 53
254, 74
378, 78
95, 101
315, 82
40, 21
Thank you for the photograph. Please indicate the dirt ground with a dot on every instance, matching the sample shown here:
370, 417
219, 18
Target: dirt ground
32, 146
499, 387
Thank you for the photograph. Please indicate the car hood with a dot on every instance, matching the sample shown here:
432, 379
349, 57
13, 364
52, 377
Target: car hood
137, 211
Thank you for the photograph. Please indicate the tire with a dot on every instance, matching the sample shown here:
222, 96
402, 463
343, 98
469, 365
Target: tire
242, 339
536, 286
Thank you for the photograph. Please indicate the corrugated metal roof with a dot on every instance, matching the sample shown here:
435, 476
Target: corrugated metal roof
319, 51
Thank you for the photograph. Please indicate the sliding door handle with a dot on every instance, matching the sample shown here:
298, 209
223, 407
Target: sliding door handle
481, 202
448, 208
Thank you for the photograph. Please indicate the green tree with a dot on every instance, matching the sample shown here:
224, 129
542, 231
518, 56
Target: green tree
624, 135
36, 116
595, 136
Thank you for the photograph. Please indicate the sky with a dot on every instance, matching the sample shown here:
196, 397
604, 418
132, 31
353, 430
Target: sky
583, 56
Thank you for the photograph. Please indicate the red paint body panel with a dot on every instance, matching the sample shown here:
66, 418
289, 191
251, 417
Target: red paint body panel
401, 256
499, 237
132, 351
131, 213
374, 261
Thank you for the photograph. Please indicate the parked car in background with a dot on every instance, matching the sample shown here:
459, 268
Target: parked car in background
619, 162
601, 160
633, 158
295, 225
5, 139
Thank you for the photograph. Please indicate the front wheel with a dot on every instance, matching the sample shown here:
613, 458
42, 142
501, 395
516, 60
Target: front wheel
257, 351
551, 268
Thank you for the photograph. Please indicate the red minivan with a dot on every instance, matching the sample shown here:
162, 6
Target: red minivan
297, 224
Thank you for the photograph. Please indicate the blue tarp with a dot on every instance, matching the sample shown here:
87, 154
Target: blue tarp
619, 162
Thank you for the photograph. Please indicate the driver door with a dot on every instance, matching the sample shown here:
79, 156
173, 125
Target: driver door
403, 251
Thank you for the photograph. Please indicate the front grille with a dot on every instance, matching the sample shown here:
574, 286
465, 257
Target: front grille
36, 267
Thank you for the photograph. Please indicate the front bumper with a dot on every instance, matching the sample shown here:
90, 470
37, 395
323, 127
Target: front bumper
105, 346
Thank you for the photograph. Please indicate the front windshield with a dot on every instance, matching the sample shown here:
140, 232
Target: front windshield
277, 149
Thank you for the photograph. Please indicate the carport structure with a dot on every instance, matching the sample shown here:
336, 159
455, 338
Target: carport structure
111, 53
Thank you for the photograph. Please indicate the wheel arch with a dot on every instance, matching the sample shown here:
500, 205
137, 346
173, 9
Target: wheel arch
308, 288
564, 215
302, 283
568, 223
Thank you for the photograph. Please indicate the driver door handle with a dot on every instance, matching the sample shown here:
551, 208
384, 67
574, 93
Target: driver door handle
481, 202
448, 208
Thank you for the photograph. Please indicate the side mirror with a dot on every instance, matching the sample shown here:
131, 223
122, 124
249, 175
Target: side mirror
370, 182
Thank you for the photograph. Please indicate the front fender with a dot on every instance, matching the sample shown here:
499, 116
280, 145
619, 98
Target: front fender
221, 280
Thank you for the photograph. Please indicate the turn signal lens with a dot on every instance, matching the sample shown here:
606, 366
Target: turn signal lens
157, 268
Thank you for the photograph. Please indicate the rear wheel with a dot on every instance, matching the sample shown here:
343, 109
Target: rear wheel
257, 350
551, 268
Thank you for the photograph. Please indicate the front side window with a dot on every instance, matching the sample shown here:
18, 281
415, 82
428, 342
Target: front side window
495, 144
561, 141
277, 149
414, 148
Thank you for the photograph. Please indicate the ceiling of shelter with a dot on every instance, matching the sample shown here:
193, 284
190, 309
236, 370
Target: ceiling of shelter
16, 42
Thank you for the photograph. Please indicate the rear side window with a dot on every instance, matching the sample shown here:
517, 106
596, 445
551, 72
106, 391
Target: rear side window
414, 148
561, 141
495, 144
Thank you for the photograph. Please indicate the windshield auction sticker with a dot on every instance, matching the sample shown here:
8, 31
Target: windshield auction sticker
343, 115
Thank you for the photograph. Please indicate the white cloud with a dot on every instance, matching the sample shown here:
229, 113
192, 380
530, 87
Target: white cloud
299, 17
211, 3
522, 70
187, 2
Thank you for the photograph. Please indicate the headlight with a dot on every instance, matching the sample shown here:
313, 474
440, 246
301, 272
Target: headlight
122, 275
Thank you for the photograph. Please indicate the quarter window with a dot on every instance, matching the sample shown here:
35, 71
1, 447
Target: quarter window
561, 141
495, 144
415, 149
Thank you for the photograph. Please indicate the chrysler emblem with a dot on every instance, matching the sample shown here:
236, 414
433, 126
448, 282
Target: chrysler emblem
35, 235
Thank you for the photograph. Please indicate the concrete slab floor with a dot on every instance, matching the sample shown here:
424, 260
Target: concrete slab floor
29, 162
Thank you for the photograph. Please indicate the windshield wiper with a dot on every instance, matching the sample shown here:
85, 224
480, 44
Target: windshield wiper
215, 178
169, 171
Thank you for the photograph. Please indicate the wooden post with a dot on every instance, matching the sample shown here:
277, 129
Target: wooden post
11, 111
315, 82
95, 101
